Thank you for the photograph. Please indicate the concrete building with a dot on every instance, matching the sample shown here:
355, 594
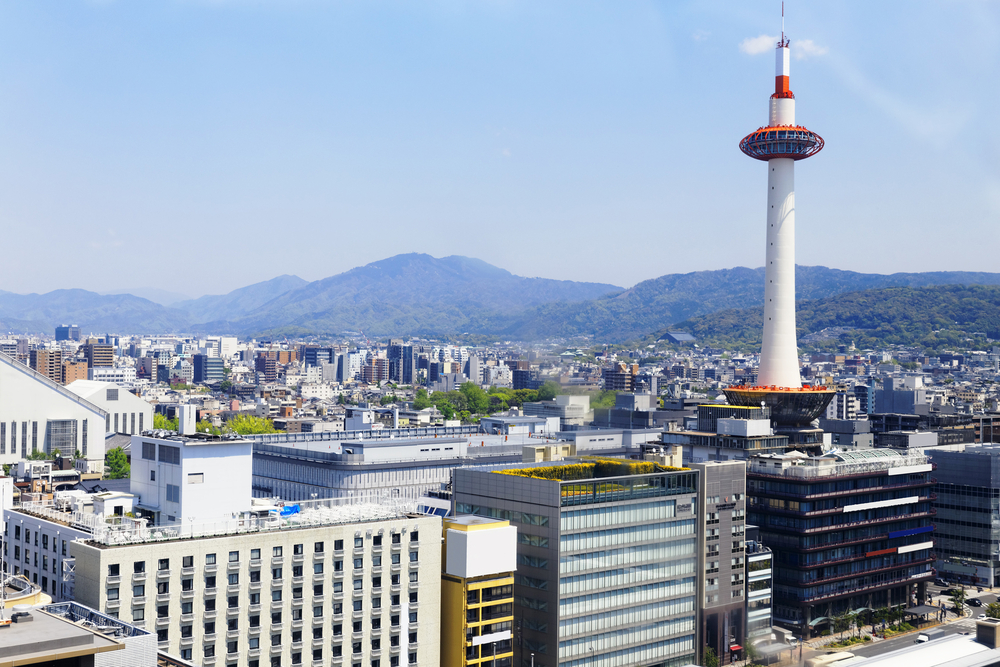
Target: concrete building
76, 370
967, 540
607, 569
722, 558
848, 530
125, 412
760, 573
477, 592
39, 414
728, 432
73, 635
121, 375
571, 410
48, 363
208, 370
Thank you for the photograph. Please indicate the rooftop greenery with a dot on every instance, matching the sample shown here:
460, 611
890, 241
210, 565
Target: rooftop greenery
595, 468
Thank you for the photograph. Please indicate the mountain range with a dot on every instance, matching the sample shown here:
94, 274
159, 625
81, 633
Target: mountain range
416, 294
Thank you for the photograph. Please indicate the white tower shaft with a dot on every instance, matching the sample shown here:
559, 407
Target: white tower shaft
779, 357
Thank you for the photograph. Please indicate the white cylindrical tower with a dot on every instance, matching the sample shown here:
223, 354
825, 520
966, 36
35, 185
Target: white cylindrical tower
780, 144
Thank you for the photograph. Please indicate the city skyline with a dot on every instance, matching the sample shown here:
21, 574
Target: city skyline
225, 124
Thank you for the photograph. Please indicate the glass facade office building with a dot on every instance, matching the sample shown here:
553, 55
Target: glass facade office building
607, 564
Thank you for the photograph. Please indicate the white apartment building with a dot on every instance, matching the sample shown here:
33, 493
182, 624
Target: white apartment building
126, 412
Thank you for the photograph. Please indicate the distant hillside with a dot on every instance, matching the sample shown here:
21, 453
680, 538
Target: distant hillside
413, 294
118, 313
657, 304
239, 302
933, 318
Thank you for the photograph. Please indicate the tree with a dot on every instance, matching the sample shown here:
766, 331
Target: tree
478, 401
711, 659
420, 400
160, 421
958, 599
225, 386
548, 390
993, 610
245, 424
205, 426
37, 455
116, 464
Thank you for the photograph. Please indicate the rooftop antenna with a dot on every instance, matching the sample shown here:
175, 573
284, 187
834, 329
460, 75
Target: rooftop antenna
782, 22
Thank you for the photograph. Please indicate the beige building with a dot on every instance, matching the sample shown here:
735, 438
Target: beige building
330, 583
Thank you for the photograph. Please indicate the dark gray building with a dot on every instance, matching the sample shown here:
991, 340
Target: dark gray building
967, 539
608, 563
208, 369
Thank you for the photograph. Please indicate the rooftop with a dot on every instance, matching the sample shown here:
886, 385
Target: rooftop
49, 638
587, 469
115, 530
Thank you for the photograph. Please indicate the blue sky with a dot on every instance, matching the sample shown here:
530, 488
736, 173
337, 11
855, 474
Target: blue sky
199, 146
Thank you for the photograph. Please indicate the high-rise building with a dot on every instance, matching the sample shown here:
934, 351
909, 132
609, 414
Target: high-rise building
208, 369
48, 363
313, 355
848, 530
98, 354
73, 371
477, 592
607, 558
67, 332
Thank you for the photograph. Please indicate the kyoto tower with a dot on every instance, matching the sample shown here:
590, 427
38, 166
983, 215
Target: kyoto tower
780, 144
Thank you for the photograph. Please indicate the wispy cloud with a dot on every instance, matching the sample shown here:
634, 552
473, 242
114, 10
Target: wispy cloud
806, 48
700, 35
756, 45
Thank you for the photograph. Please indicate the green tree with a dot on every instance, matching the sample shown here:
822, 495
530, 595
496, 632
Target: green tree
478, 400
245, 424
226, 386
389, 398
56, 453
116, 464
37, 455
160, 421
420, 400
993, 610
548, 390
6, 469
711, 659
205, 426
958, 599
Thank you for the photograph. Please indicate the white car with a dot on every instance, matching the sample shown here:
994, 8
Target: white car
981, 617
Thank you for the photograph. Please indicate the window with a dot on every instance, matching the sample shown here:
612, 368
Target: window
413, 578
234, 556
396, 538
395, 559
138, 591
163, 564
318, 548
276, 552
185, 631
357, 605
113, 570
210, 605
162, 587
210, 581
317, 589
234, 601
187, 584
297, 550
162, 636
338, 545
413, 617
187, 561
317, 568
413, 597
255, 621
376, 561
254, 643
162, 611
149, 451
210, 651
276, 640
152, 475
255, 598
234, 578
377, 541
296, 570
276, 573
376, 603
359, 542
231, 647
413, 556
255, 554
358, 563
376, 582
296, 614
196, 478
254, 576
170, 454
275, 596
112, 394
139, 614
275, 618
317, 611
112, 593
209, 559
338, 566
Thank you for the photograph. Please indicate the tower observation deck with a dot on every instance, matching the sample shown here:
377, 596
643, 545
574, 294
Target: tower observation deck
781, 143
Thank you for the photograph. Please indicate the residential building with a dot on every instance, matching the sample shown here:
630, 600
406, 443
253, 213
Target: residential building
48, 363
844, 405
125, 412
967, 540
120, 375
98, 354
760, 568
848, 530
477, 592
76, 370
607, 558
571, 410
39, 414
67, 332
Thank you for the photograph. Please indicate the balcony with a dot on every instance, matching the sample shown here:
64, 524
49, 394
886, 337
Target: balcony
110, 581
233, 567
187, 571
138, 576
139, 601
163, 574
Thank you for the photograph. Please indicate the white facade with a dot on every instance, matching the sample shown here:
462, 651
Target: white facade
38, 414
126, 412
39, 548
121, 375
181, 478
